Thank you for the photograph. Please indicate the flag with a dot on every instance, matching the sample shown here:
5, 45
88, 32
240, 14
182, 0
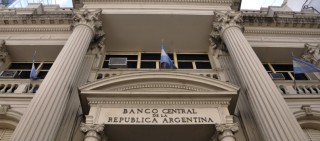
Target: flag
165, 61
33, 73
301, 66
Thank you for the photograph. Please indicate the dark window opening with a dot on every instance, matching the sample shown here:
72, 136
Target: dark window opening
192, 57
203, 65
282, 67
185, 65
129, 57
148, 65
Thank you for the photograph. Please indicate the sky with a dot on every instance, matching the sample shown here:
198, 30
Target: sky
257, 4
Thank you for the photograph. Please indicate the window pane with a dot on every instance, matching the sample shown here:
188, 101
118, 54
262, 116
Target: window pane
148, 64
132, 64
266, 66
185, 65
24, 75
42, 74
46, 66
300, 76
129, 57
192, 57
151, 56
22, 65
287, 76
203, 65
282, 67
105, 64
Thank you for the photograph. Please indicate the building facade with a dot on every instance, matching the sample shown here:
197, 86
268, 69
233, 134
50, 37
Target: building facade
99, 74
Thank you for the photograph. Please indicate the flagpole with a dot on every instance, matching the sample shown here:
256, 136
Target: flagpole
294, 75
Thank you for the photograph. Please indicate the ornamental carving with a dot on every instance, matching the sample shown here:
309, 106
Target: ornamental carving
3, 51
222, 22
91, 19
91, 127
312, 53
4, 109
234, 127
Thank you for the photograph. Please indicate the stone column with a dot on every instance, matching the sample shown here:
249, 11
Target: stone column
93, 131
273, 115
44, 115
226, 131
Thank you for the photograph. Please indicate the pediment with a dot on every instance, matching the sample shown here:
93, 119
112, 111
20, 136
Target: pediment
159, 82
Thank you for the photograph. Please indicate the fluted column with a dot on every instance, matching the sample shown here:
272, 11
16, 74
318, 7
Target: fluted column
273, 115
93, 131
45, 112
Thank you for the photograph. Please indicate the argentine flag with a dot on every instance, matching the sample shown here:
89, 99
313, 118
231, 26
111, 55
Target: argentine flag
33, 73
301, 66
165, 61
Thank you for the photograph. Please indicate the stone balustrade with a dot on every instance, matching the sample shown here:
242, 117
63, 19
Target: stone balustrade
110, 73
18, 86
303, 87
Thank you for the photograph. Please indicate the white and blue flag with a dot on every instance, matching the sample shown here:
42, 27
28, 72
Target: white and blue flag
165, 61
33, 73
301, 66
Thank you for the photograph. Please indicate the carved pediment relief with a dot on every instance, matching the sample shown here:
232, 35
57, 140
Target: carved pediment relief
159, 82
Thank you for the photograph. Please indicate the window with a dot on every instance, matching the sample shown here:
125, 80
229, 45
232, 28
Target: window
149, 60
21, 70
284, 72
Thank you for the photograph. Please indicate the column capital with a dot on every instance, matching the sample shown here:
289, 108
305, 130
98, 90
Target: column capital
91, 127
222, 21
3, 51
227, 19
312, 53
92, 19
234, 127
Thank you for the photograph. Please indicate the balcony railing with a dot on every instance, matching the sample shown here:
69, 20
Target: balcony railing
110, 73
310, 87
18, 86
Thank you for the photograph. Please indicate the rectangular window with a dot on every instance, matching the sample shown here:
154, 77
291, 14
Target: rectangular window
21, 70
150, 60
285, 70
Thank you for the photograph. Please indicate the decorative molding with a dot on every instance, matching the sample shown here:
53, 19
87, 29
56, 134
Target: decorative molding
92, 131
312, 53
281, 31
91, 19
234, 127
4, 109
160, 85
91, 127
307, 109
35, 28
3, 51
159, 102
295, 22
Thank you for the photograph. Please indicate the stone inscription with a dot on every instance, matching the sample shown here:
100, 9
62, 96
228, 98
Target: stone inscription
159, 116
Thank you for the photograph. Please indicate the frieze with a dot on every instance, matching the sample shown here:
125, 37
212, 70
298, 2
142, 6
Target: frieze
280, 31
161, 102
159, 85
35, 28
305, 22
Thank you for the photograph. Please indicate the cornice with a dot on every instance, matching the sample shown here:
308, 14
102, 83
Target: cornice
35, 28
160, 102
294, 22
284, 31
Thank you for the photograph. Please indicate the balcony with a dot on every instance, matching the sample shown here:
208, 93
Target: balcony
302, 89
